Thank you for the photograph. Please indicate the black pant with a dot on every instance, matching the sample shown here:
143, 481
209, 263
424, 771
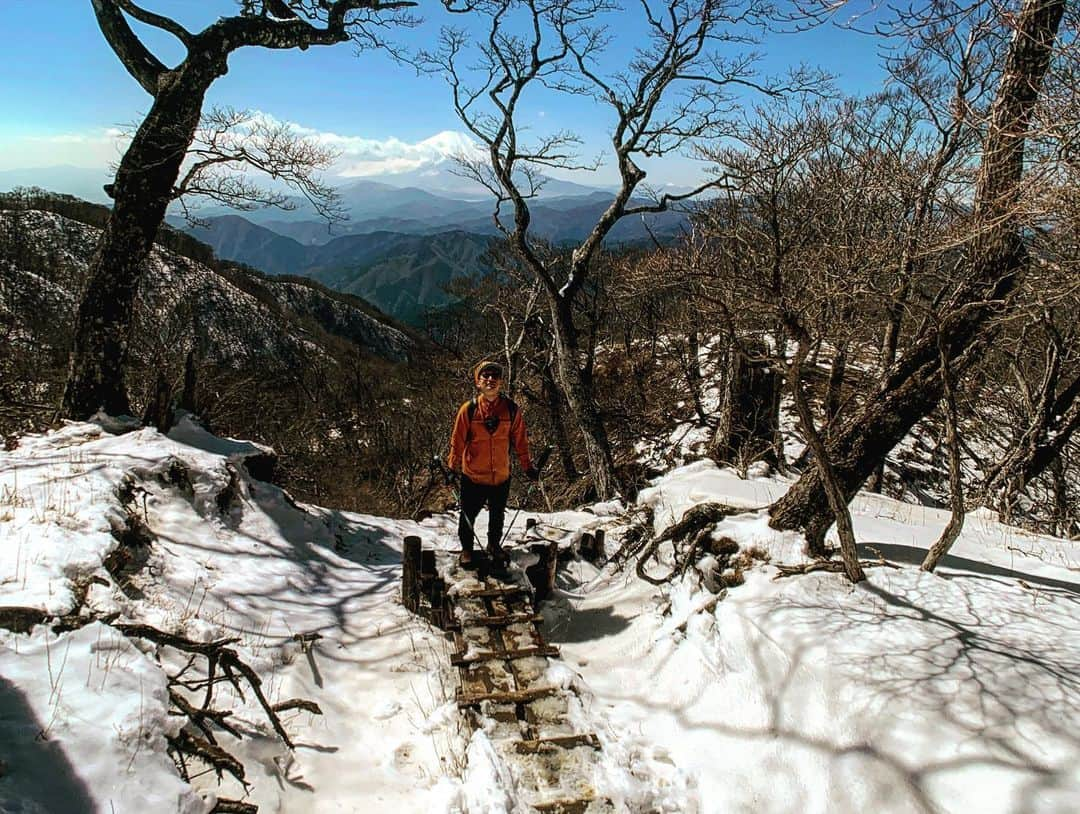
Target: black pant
473, 498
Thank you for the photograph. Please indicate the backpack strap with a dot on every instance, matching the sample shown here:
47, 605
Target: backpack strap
511, 406
469, 413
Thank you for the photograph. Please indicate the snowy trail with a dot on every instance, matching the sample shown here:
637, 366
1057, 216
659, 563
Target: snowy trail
951, 692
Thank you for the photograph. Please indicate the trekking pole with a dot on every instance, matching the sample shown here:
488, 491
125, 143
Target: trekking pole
448, 476
541, 460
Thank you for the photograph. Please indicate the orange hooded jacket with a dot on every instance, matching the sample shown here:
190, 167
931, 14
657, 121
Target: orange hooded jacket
483, 456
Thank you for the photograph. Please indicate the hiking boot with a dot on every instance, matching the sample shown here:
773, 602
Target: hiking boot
499, 559
466, 560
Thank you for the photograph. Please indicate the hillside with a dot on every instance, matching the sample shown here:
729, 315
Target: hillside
238, 316
401, 274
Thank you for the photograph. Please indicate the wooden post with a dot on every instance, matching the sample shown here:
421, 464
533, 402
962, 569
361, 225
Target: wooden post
587, 547
530, 524
427, 564
410, 573
542, 574
552, 564
598, 545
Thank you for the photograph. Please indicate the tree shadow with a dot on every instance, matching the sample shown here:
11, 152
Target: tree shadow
586, 626
37, 775
913, 555
948, 685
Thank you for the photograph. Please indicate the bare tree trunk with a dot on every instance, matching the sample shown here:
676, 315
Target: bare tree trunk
578, 389
1063, 522
748, 418
1053, 424
994, 259
833, 491
553, 399
693, 374
956, 484
142, 190
835, 386
188, 397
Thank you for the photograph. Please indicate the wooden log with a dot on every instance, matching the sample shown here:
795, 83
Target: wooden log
509, 590
500, 620
461, 657
225, 806
410, 573
571, 806
532, 747
506, 697
21, 620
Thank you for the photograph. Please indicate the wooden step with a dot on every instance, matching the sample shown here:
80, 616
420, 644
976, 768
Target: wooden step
506, 696
500, 620
577, 805
509, 590
559, 742
547, 651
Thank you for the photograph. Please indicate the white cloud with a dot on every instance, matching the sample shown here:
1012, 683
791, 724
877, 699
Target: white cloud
358, 156
91, 149
363, 156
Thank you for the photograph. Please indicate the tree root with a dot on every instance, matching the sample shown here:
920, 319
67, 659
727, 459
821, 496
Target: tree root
697, 523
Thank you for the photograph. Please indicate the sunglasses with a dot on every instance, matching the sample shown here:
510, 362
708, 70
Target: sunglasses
490, 375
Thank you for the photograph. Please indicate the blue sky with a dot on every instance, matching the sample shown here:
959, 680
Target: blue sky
64, 94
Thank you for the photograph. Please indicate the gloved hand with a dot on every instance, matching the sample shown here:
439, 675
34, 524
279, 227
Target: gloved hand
533, 474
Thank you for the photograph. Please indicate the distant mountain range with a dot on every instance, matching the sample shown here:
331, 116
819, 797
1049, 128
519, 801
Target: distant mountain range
565, 212
399, 247
401, 274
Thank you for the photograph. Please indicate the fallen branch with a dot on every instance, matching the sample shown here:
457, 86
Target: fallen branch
220, 654
209, 753
233, 807
832, 566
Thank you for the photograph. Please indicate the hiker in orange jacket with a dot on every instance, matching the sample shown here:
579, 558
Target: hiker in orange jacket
484, 429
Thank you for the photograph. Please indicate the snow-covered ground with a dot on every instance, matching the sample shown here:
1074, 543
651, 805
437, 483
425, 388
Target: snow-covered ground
89, 707
958, 691
911, 692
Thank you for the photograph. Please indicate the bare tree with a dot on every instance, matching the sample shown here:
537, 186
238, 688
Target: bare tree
994, 256
956, 483
675, 91
230, 146
147, 175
